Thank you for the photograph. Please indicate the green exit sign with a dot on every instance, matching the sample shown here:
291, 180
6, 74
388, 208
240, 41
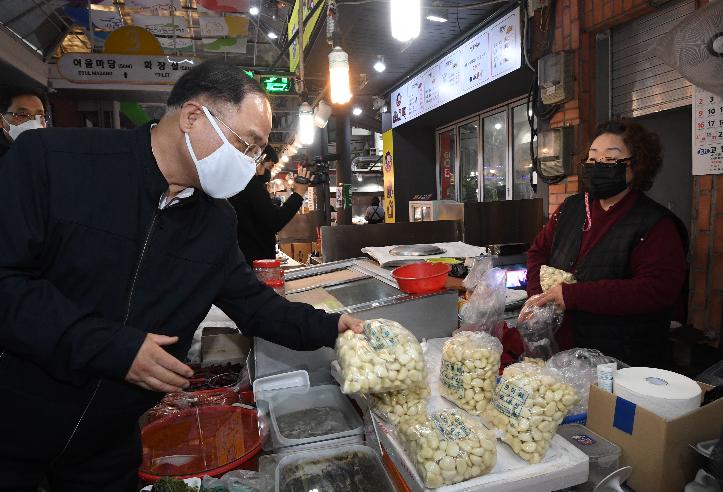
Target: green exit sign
276, 85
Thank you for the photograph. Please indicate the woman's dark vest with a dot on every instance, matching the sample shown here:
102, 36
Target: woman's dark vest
638, 339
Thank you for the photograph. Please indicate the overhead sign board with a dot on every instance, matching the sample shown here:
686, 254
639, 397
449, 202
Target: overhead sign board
105, 68
488, 55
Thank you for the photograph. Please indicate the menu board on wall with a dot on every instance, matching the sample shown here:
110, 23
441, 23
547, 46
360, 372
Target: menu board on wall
488, 55
707, 133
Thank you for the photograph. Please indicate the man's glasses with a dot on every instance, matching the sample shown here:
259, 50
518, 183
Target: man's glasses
252, 150
20, 118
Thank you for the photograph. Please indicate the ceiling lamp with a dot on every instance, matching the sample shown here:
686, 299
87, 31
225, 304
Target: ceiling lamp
322, 113
273, 35
306, 124
356, 111
380, 66
406, 19
284, 158
437, 14
339, 76
254, 11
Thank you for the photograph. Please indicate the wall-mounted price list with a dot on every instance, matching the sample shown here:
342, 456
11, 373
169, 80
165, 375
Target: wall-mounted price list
707, 133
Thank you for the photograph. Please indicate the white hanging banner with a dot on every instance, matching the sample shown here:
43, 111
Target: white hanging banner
172, 31
707, 133
104, 68
106, 20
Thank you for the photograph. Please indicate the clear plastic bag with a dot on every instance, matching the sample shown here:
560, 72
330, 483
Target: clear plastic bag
528, 405
446, 448
174, 403
386, 357
537, 325
578, 368
238, 481
551, 277
394, 406
485, 309
470, 364
480, 266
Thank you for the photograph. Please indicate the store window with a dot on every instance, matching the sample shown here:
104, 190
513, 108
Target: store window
521, 158
490, 152
447, 157
494, 162
469, 161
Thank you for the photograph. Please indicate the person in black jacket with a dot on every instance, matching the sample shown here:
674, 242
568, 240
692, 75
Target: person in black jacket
114, 246
20, 110
259, 219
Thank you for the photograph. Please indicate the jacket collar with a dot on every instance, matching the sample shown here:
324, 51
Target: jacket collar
154, 182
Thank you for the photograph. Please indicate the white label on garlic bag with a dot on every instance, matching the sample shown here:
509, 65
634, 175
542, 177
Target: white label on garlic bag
451, 375
509, 399
379, 336
451, 426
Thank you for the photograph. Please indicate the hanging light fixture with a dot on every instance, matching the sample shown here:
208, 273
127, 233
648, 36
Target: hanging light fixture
406, 18
273, 35
380, 66
322, 113
254, 10
339, 76
437, 13
357, 111
284, 158
306, 124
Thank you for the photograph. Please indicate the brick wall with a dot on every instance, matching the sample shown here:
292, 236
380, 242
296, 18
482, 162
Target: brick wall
599, 15
706, 279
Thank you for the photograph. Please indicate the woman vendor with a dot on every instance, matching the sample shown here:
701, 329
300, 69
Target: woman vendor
627, 252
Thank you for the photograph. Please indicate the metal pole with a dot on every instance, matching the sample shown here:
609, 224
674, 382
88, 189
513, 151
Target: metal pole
343, 166
323, 195
116, 115
301, 43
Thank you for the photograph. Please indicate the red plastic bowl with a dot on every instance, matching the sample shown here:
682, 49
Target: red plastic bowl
421, 278
200, 441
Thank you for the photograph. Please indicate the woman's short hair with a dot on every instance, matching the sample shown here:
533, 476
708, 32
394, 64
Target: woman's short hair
644, 146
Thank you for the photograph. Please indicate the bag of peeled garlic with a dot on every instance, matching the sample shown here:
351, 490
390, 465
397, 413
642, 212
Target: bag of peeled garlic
470, 364
393, 406
528, 404
447, 448
385, 357
551, 277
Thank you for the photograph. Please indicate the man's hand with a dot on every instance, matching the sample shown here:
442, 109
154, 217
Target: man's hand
553, 295
346, 322
302, 188
157, 370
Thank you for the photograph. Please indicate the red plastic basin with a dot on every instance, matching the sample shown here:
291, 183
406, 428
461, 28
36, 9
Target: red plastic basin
421, 278
200, 441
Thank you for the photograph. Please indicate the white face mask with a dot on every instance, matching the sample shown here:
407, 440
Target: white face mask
16, 130
225, 172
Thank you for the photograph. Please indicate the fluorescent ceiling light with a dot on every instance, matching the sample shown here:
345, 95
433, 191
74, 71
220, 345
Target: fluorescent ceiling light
273, 35
357, 111
254, 11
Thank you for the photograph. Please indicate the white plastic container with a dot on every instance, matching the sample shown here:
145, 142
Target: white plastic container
604, 455
303, 418
325, 468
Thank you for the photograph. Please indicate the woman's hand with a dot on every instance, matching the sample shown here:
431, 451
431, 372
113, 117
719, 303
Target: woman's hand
553, 295
347, 322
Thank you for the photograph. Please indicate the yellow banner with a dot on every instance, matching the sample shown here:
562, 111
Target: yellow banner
308, 29
388, 166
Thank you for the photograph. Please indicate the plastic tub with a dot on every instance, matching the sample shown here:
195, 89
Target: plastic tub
421, 278
305, 416
347, 469
604, 455
200, 441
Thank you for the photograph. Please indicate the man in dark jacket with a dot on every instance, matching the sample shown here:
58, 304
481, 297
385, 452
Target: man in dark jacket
259, 219
113, 249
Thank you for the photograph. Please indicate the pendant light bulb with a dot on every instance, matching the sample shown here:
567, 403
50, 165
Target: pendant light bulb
380, 66
406, 16
306, 124
339, 76
254, 11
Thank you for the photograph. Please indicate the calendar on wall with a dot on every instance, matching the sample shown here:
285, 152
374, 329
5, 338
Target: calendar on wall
707, 133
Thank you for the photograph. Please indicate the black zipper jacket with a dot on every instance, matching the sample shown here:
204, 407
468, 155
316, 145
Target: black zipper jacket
89, 265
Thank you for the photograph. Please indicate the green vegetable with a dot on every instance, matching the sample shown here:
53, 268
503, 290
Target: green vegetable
168, 484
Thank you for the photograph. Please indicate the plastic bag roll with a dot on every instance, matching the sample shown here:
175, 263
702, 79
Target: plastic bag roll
665, 393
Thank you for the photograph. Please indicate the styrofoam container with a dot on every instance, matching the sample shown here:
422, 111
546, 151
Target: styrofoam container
305, 399
381, 480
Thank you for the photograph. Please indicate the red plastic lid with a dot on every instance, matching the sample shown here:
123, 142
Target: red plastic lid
267, 263
200, 441
274, 283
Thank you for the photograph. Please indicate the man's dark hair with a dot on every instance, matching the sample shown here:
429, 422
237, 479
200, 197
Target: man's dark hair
216, 80
375, 201
8, 94
271, 155
645, 147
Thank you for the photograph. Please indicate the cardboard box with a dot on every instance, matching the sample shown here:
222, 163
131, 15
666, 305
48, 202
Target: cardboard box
298, 251
657, 449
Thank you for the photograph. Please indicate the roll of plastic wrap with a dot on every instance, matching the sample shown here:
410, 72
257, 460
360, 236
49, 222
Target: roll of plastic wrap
665, 393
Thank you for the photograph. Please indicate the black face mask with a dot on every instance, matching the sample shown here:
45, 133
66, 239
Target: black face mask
604, 180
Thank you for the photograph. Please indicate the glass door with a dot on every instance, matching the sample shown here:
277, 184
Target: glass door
521, 160
469, 147
447, 159
494, 161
